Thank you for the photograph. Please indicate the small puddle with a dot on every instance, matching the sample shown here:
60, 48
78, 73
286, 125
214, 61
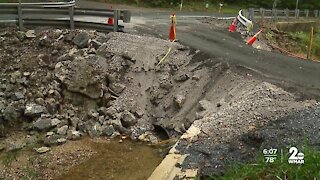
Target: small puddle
116, 161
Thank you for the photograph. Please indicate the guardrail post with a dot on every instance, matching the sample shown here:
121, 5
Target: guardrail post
287, 13
262, 13
297, 12
315, 12
251, 13
71, 14
306, 11
275, 14
20, 20
116, 19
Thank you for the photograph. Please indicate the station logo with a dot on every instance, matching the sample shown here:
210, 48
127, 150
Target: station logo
296, 157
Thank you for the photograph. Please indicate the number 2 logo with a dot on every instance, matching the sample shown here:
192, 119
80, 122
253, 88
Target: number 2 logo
294, 154
293, 151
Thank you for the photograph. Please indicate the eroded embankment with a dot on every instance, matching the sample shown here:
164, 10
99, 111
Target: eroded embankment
67, 84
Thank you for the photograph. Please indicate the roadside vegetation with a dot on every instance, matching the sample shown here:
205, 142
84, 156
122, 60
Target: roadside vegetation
302, 39
311, 4
280, 169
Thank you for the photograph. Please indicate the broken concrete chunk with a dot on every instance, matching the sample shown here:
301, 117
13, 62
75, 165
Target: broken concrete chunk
62, 130
30, 34
55, 122
179, 100
61, 140
81, 39
50, 133
34, 110
42, 150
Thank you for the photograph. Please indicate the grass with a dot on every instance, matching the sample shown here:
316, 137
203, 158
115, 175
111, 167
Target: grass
277, 170
303, 40
8, 157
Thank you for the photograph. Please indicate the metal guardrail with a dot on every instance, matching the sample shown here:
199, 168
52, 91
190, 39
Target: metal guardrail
244, 21
281, 13
60, 14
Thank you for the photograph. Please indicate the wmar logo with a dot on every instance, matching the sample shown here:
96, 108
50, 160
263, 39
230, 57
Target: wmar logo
296, 157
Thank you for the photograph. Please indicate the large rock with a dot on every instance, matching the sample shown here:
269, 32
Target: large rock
82, 76
111, 112
52, 140
81, 39
62, 130
108, 130
128, 119
10, 113
34, 110
45, 123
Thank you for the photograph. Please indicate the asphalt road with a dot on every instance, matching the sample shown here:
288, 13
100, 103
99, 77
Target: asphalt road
292, 72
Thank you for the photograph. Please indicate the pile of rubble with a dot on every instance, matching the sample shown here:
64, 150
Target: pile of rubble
66, 84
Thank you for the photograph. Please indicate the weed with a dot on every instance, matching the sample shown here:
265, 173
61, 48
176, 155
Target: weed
8, 157
303, 39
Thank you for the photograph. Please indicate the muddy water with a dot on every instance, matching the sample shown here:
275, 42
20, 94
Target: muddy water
116, 161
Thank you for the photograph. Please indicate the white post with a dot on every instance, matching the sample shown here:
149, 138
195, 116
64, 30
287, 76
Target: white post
181, 4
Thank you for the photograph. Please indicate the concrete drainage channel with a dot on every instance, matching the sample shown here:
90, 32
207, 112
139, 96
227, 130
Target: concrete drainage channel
84, 83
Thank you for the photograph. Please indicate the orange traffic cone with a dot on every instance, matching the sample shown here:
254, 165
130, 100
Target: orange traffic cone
254, 38
233, 26
110, 19
172, 33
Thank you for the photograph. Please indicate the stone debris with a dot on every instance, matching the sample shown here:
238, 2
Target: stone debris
34, 110
81, 39
42, 150
62, 130
179, 100
30, 34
